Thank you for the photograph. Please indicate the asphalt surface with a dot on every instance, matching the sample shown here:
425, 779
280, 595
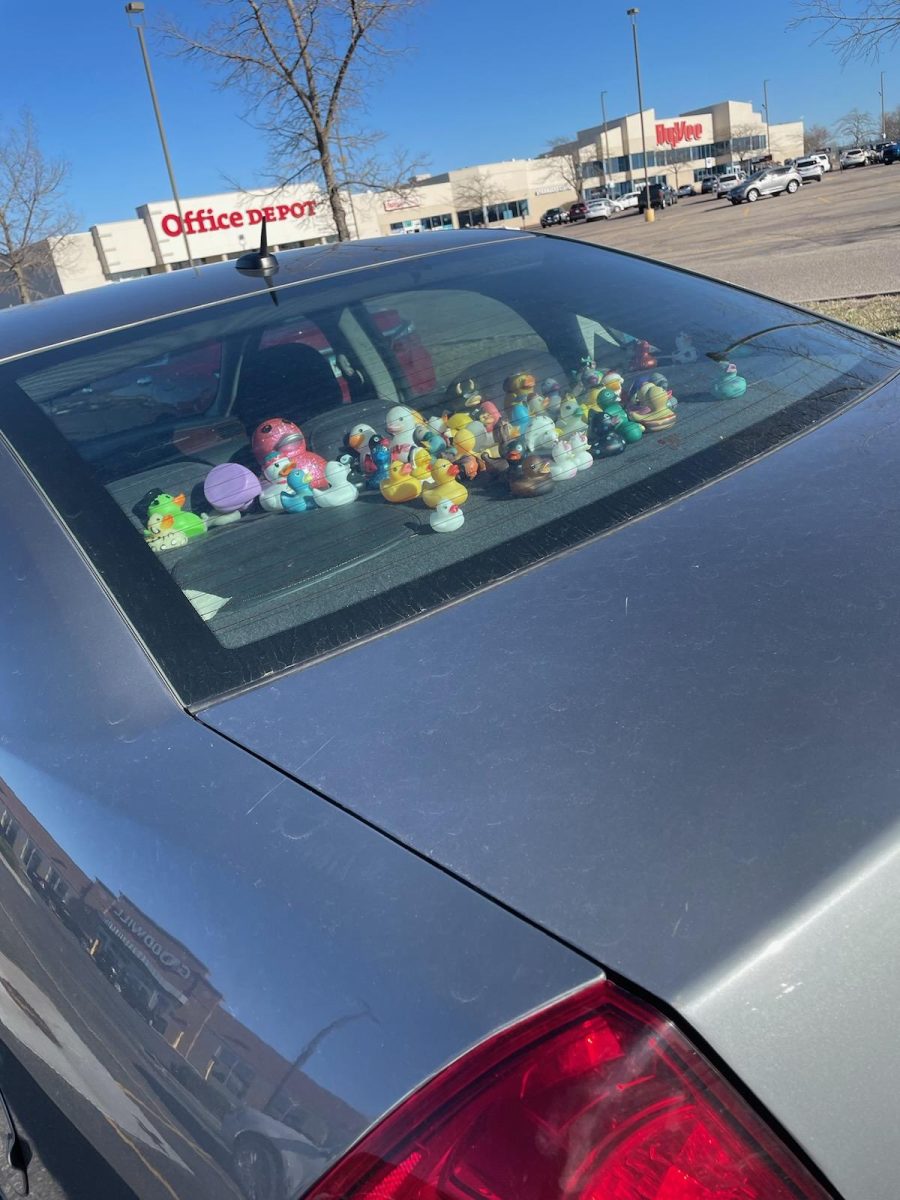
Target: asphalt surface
840, 237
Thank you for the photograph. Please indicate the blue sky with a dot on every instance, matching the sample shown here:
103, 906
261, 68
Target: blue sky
480, 83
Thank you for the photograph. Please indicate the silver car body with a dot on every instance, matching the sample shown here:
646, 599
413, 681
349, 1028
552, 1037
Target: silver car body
771, 181
853, 158
808, 168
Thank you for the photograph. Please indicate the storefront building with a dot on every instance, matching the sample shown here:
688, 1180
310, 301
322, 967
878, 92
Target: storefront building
680, 150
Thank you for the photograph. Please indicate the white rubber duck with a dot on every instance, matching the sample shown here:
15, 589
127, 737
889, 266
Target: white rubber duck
446, 517
541, 435
274, 483
684, 349
570, 417
580, 452
401, 424
340, 490
563, 465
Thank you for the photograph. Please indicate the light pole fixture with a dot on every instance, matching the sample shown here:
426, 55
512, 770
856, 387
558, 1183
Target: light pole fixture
604, 140
649, 214
135, 11
881, 92
766, 107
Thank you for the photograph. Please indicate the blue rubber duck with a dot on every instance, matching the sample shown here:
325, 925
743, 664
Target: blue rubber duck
380, 454
297, 496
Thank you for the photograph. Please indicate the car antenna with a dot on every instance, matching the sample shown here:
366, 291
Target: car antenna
260, 263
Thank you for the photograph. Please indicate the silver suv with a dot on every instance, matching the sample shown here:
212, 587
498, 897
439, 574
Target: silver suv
768, 182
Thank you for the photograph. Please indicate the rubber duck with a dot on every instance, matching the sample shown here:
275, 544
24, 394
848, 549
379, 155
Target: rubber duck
445, 485
570, 417
537, 404
298, 494
430, 440
465, 391
357, 441
517, 388
729, 385
580, 453
603, 438
494, 468
340, 490
401, 485
401, 423
380, 455
613, 380
552, 393
276, 468
161, 533
684, 349
288, 440
628, 430
563, 465
488, 414
643, 359
541, 435
421, 463
593, 384
652, 409
166, 505
531, 477
446, 517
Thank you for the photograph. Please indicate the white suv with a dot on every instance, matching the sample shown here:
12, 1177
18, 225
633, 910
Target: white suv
729, 181
823, 159
808, 168
853, 158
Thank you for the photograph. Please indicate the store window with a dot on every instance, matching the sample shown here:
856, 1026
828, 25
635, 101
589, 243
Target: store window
231, 1072
444, 221
9, 827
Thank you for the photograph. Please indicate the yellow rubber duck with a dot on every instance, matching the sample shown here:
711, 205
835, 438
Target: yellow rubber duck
457, 421
401, 485
445, 485
464, 442
421, 464
652, 408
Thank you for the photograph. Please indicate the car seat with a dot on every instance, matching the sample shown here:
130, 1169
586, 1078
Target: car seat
293, 381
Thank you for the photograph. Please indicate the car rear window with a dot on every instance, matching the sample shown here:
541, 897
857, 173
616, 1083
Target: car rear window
485, 356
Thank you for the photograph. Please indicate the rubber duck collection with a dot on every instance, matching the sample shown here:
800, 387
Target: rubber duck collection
544, 435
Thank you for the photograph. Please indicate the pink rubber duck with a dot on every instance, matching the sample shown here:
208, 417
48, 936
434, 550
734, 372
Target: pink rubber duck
287, 438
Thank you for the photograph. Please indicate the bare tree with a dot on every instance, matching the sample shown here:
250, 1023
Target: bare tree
858, 126
746, 133
569, 165
816, 137
306, 67
892, 124
477, 190
33, 212
860, 29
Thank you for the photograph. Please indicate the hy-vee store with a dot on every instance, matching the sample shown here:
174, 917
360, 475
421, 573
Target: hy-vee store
512, 194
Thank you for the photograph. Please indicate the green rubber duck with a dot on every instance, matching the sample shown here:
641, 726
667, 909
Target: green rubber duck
630, 430
166, 505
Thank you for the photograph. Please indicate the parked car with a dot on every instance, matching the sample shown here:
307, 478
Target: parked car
853, 158
626, 200
577, 211
710, 184
729, 180
599, 210
423, 859
661, 196
891, 153
554, 216
686, 189
808, 168
822, 157
770, 182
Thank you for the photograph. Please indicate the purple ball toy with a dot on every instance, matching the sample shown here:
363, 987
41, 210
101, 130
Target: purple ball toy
231, 488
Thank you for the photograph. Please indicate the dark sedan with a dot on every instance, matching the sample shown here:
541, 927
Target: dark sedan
484, 794
554, 216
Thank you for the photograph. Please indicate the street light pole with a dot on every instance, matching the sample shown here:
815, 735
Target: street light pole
135, 11
605, 140
649, 214
881, 90
766, 107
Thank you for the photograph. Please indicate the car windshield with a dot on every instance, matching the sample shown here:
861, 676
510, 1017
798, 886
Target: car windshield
524, 394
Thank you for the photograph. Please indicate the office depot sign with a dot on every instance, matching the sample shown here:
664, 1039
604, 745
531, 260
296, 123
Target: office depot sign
678, 132
206, 220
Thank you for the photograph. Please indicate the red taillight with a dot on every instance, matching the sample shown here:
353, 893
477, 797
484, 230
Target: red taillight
597, 1098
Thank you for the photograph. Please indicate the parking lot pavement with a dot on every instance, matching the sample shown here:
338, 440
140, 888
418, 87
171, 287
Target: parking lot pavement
840, 237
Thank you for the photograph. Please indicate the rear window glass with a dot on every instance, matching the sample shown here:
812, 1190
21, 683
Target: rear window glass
260, 483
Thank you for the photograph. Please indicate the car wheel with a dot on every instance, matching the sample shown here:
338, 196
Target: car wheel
257, 1168
735, 201
753, 195
792, 186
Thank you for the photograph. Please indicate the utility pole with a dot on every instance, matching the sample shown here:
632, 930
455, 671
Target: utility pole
881, 90
766, 107
649, 214
135, 10
605, 140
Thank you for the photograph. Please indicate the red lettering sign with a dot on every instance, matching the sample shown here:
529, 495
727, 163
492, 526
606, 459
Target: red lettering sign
679, 131
204, 220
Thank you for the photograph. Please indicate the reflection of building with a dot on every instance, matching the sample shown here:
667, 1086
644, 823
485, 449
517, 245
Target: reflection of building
220, 1060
